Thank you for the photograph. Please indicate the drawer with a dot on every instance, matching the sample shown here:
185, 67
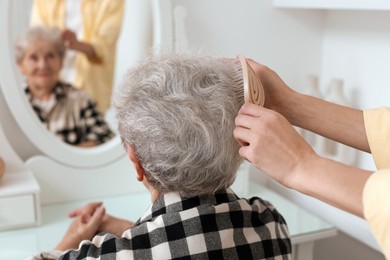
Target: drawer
18, 211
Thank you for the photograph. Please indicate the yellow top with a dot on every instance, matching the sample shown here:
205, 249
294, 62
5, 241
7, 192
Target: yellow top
376, 194
102, 21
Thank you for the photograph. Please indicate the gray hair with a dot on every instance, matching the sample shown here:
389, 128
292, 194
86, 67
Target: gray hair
178, 113
36, 33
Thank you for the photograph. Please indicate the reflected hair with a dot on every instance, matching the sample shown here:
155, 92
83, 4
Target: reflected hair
38, 33
178, 113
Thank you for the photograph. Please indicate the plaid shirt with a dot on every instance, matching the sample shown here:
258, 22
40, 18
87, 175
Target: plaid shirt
72, 116
221, 226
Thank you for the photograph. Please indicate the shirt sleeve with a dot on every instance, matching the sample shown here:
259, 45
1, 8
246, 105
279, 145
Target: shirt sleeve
52, 255
48, 13
376, 192
35, 17
376, 203
106, 245
108, 24
377, 124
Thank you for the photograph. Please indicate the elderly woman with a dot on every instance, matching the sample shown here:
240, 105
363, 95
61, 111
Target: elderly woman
176, 119
68, 113
90, 30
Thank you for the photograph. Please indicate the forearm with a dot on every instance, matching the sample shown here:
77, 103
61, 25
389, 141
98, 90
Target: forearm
340, 123
87, 49
115, 225
332, 182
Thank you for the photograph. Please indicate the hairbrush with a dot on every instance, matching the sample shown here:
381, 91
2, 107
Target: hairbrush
245, 76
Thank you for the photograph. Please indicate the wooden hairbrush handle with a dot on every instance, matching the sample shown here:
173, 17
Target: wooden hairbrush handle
253, 88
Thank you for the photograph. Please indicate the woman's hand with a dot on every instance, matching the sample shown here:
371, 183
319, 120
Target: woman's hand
84, 227
85, 211
71, 42
108, 224
69, 38
269, 142
115, 225
278, 96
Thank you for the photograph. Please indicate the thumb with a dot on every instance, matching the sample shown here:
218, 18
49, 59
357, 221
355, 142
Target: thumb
97, 216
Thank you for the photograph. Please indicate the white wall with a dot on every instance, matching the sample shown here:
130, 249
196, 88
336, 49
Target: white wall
357, 49
135, 38
288, 41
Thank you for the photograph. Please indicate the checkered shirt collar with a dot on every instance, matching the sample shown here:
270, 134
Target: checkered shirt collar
173, 202
58, 91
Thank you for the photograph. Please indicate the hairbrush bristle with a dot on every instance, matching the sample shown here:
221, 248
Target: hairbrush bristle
249, 86
238, 80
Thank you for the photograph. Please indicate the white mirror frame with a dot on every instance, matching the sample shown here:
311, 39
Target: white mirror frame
27, 120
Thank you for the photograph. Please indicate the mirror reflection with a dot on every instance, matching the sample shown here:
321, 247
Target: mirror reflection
89, 30
66, 111
92, 32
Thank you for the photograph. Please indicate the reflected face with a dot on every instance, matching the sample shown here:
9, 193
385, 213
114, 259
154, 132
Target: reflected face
41, 65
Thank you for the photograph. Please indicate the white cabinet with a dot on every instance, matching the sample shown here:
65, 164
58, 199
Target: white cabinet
17, 211
19, 201
334, 4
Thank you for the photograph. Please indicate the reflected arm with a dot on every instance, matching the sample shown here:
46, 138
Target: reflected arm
71, 42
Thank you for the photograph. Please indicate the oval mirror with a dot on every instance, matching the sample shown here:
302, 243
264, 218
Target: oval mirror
135, 41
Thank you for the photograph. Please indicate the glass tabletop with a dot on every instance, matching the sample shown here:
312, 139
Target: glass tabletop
19, 244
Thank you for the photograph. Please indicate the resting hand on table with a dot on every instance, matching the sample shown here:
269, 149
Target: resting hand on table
82, 228
108, 224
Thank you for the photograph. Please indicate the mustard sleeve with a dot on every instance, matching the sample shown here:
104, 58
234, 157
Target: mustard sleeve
377, 124
48, 13
376, 202
105, 28
36, 15
376, 193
